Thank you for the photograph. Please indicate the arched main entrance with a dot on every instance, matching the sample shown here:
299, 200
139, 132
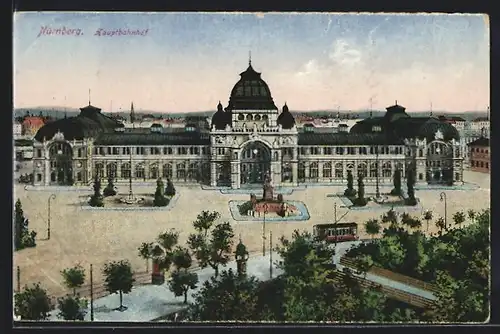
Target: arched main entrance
61, 158
439, 163
255, 163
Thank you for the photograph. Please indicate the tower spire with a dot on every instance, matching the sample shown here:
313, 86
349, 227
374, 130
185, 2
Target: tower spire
89, 96
132, 113
431, 109
250, 58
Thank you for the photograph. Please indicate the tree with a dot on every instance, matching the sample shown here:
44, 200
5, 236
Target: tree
471, 214
361, 200
459, 218
146, 252
23, 238
372, 227
410, 184
397, 183
390, 217
441, 224
160, 199
213, 250
74, 277
96, 198
110, 188
32, 303
119, 278
428, 217
363, 264
182, 280
72, 308
350, 191
163, 255
227, 298
170, 189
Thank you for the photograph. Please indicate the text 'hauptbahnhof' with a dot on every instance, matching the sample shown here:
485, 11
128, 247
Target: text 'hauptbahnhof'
246, 140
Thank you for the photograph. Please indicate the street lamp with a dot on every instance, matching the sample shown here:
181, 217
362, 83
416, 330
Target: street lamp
264, 231
53, 196
442, 197
377, 189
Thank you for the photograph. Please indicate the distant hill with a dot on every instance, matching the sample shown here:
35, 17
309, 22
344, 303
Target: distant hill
60, 112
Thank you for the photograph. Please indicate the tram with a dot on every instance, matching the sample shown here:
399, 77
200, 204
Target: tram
336, 232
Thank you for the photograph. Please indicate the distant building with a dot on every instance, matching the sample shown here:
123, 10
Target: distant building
17, 129
31, 125
480, 155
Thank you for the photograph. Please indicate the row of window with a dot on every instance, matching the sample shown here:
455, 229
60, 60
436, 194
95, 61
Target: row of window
314, 150
194, 170
193, 150
479, 150
482, 164
250, 117
337, 169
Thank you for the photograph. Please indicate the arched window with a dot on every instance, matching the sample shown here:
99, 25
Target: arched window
399, 166
125, 170
265, 117
257, 117
139, 171
205, 171
99, 170
386, 169
167, 171
301, 170
313, 170
327, 169
153, 171
181, 170
111, 169
241, 117
362, 170
373, 169
193, 171
249, 117
350, 166
339, 170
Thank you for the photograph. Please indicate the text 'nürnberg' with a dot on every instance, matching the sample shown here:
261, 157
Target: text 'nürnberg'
64, 31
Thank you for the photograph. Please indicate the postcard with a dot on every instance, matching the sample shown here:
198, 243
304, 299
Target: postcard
253, 167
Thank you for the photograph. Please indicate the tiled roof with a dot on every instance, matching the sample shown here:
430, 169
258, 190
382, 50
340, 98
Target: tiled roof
312, 138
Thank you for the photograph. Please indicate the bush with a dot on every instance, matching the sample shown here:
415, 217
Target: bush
96, 201
161, 201
350, 192
170, 189
110, 189
245, 207
359, 201
411, 201
396, 192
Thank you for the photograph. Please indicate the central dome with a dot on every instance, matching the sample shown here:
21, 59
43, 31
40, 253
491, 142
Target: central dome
251, 92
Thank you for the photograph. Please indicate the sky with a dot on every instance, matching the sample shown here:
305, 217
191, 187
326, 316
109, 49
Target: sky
189, 61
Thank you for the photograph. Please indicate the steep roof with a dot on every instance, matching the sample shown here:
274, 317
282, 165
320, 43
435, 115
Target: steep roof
184, 138
311, 138
482, 141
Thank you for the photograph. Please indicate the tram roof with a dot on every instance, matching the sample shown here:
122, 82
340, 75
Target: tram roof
337, 225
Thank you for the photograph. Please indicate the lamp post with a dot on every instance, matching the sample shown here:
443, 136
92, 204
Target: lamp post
442, 197
52, 196
91, 295
264, 231
377, 189
254, 169
270, 254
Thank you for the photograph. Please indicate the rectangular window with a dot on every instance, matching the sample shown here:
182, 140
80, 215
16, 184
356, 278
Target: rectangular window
109, 150
79, 176
39, 177
38, 153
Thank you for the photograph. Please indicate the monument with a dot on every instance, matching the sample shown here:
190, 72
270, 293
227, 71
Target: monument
268, 187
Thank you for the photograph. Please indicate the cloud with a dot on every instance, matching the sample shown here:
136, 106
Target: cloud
344, 54
309, 68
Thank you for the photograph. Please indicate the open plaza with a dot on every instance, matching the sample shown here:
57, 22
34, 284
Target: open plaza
83, 236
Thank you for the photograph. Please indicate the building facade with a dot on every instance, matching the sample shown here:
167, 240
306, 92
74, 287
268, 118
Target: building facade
244, 141
480, 155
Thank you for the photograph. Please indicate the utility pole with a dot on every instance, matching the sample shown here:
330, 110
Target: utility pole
270, 254
18, 278
91, 295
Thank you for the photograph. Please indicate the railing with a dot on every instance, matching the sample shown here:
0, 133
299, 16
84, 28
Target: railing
389, 291
351, 263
